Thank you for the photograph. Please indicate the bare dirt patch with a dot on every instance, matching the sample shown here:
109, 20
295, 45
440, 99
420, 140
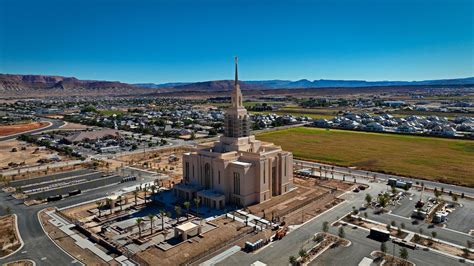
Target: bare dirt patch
443, 247
390, 260
167, 161
6, 130
20, 263
307, 200
226, 231
9, 238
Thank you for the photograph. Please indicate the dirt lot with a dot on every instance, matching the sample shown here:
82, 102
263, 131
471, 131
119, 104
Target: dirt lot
225, 231
306, 200
26, 153
67, 243
160, 160
6, 130
8, 236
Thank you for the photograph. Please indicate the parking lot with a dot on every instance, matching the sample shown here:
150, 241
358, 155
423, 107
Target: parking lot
461, 218
40, 188
405, 206
49, 178
95, 183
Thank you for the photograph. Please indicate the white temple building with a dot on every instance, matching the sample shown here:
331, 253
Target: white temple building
237, 169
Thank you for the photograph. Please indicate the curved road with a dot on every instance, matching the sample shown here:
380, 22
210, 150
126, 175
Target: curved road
55, 124
38, 247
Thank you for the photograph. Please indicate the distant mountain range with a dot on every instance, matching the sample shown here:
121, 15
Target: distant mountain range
42, 85
304, 83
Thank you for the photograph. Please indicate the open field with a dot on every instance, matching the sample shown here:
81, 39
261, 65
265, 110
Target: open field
446, 160
26, 154
6, 130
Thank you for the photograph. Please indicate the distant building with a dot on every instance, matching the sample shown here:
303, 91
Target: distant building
237, 169
394, 103
92, 135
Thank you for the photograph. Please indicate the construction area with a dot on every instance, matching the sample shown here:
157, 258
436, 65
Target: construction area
148, 225
308, 198
166, 161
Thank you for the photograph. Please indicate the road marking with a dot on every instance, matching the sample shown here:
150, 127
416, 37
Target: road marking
399, 216
459, 232
23, 252
43, 258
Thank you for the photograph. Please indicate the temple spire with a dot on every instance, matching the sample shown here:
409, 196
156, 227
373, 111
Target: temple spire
236, 71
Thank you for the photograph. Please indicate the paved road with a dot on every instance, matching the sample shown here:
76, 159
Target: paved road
430, 184
38, 247
278, 252
362, 247
55, 124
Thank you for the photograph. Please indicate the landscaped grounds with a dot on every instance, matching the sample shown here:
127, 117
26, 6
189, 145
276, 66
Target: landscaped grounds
446, 160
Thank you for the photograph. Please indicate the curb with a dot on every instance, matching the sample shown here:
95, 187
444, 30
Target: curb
19, 238
42, 227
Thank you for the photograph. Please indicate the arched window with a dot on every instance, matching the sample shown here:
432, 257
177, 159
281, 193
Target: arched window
207, 176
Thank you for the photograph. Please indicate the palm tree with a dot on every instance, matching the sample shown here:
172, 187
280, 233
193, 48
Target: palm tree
162, 215
196, 202
139, 224
153, 188
120, 201
99, 205
151, 217
135, 194
292, 260
341, 232
403, 253
177, 209
325, 226
187, 205
145, 189
109, 202
368, 198
383, 247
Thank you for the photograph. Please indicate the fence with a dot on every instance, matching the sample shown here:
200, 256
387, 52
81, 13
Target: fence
306, 202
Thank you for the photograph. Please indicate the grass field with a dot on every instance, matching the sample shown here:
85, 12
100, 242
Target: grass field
315, 113
446, 160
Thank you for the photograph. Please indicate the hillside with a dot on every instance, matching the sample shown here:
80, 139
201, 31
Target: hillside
41, 85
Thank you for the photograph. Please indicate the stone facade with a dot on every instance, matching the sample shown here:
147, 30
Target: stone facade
237, 169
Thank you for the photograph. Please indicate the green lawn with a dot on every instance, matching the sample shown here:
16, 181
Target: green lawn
446, 160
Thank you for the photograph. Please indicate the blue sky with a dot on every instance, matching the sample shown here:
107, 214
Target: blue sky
183, 40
